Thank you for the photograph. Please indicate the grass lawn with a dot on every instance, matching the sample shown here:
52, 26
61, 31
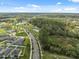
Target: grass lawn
2, 31
47, 55
27, 50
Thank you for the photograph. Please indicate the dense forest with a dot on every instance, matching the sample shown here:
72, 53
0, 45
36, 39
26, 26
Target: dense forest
59, 34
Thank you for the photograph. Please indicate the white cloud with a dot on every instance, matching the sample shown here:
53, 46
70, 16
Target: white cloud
36, 6
58, 3
77, 1
19, 8
59, 10
28, 8
41, 8
56, 10
33, 5
70, 9
65, 9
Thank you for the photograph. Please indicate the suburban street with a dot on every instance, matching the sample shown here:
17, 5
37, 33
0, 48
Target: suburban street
35, 48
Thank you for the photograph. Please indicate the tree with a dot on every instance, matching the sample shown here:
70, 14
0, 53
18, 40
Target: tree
43, 37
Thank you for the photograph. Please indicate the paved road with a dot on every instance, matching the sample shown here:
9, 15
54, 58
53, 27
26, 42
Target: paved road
35, 49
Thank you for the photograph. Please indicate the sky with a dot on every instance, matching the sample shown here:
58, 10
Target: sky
55, 6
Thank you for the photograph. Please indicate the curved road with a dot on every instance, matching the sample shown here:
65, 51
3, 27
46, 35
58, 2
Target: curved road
35, 48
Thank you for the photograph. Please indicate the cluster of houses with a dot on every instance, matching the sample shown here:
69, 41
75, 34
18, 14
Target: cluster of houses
11, 47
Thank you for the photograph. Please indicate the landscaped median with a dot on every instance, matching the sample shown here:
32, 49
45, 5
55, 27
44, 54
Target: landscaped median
31, 51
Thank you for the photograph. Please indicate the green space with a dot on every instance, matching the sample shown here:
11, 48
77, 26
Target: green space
3, 32
20, 32
48, 55
27, 50
58, 35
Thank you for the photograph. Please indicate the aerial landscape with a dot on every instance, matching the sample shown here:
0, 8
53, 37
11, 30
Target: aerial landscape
39, 29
